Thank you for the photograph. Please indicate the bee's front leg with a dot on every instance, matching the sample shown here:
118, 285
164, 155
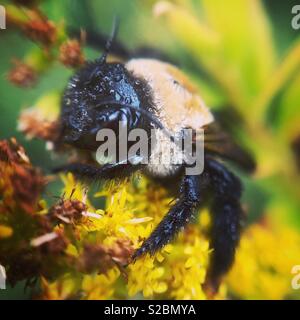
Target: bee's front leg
192, 191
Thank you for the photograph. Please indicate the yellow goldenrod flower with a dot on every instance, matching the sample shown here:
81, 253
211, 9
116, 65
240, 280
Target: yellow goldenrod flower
145, 275
264, 261
59, 289
99, 287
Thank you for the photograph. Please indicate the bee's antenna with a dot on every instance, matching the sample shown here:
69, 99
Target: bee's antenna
110, 40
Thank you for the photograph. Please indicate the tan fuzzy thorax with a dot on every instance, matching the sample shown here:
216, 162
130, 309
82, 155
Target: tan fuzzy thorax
177, 101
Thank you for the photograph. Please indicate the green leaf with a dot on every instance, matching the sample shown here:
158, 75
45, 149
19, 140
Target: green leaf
289, 110
247, 47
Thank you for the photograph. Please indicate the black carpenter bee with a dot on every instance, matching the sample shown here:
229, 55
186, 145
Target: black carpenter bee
147, 93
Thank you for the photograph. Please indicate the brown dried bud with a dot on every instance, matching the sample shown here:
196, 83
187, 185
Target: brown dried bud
27, 183
33, 126
95, 258
121, 251
21, 183
12, 152
70, 54
56, 244
22, 75
44, 223
41, 30
23, 264
67, 211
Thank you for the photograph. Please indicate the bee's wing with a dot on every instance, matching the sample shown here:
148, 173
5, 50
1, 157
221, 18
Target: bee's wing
220, 143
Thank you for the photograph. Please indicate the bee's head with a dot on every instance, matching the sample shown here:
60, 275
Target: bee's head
100, 96
95, 98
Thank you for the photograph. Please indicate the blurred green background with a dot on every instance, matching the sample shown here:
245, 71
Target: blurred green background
259, 59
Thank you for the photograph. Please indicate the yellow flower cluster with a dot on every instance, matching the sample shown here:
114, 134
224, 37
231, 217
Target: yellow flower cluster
264, 262
132, 210
262, 269
87, 251
100, 286
146, 276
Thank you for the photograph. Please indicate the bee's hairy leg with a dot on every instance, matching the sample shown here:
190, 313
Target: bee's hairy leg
96, 173
227, 216
192, 191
